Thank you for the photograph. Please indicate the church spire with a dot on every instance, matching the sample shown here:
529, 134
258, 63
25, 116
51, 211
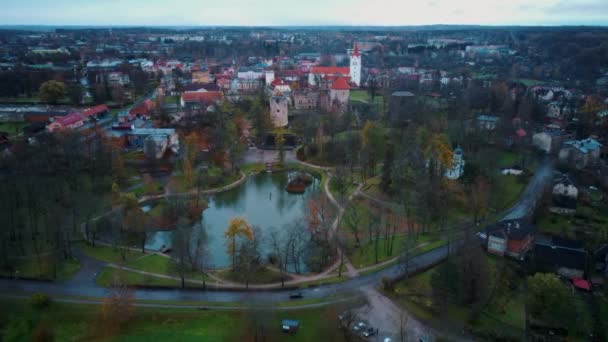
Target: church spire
356, 50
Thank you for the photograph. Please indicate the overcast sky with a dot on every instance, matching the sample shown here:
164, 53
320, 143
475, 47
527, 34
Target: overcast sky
303, 12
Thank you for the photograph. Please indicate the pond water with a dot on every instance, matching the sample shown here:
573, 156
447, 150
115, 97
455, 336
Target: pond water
261, 200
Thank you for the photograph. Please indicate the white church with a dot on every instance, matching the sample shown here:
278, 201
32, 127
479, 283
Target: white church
318, 73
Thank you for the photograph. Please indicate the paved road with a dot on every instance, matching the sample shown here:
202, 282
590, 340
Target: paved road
524, 208
83, 284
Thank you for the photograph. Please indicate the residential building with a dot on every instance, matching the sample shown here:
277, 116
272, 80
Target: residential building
550, 141
204, 98
566, 257
513, 238
154, 141
70, 121
580, 153
487, 122
95, 112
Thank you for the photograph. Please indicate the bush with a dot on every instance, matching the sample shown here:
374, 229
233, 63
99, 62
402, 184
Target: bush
40, 300
43, 332
387, 284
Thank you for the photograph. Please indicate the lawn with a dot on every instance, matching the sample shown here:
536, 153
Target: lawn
109, 254
262, 276
365, 255
155, 263
587, 219
506, 191
77, 322
31, 269
171, 100
109, 274
13, 129
253, 167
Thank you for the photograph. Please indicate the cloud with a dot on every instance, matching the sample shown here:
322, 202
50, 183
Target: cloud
310, 12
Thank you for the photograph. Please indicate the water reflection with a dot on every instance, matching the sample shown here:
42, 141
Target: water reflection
261, 200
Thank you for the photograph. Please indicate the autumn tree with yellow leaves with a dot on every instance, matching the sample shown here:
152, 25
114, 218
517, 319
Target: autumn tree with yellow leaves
237, 227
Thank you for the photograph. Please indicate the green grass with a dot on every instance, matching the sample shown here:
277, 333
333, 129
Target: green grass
155, 263
587, 219
13, 129
77, 322
30, 268
173, 100
506, 191
253, 167
109, 274
261, 276
109, 254
365, 255
325, 281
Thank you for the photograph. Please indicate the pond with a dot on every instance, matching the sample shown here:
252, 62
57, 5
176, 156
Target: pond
261, 200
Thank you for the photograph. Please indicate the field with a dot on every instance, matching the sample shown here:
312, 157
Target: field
77, 322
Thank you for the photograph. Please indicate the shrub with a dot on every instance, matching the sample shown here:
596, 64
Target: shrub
40, 300
387, 284
43, 332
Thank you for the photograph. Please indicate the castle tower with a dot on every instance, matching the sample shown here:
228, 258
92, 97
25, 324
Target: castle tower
279, 111
355, 66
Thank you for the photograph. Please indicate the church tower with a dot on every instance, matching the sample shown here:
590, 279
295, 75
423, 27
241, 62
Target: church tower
355, 66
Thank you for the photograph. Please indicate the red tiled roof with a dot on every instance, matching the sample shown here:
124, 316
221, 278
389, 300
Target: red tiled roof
95, 110
143, 108
69, 119
208, 96
277, 81
521, 133
581, 284
340, 84
330, 70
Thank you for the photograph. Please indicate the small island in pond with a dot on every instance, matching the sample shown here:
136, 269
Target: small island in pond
298, 184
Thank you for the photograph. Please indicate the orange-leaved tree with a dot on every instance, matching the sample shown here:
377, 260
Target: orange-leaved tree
237, 227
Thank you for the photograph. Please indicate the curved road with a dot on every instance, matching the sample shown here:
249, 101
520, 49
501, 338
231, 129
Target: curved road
83, 284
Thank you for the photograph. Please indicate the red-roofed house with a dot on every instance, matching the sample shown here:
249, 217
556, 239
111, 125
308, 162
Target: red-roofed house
144, 109
203, 98
280, 85
70, 121
317, 73
94, 112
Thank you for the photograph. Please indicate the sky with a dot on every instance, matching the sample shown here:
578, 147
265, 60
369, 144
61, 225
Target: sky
303, 12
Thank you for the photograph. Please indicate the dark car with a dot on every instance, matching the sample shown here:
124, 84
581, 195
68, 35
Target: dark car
295, 295
370, 332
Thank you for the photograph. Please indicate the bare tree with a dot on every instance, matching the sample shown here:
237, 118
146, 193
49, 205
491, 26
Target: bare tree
180, 250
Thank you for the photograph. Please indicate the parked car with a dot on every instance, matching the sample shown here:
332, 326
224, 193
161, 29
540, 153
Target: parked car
295, 295
345, 315
359, 326
370, 332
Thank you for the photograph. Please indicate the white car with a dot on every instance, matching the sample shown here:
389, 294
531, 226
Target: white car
359, 326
